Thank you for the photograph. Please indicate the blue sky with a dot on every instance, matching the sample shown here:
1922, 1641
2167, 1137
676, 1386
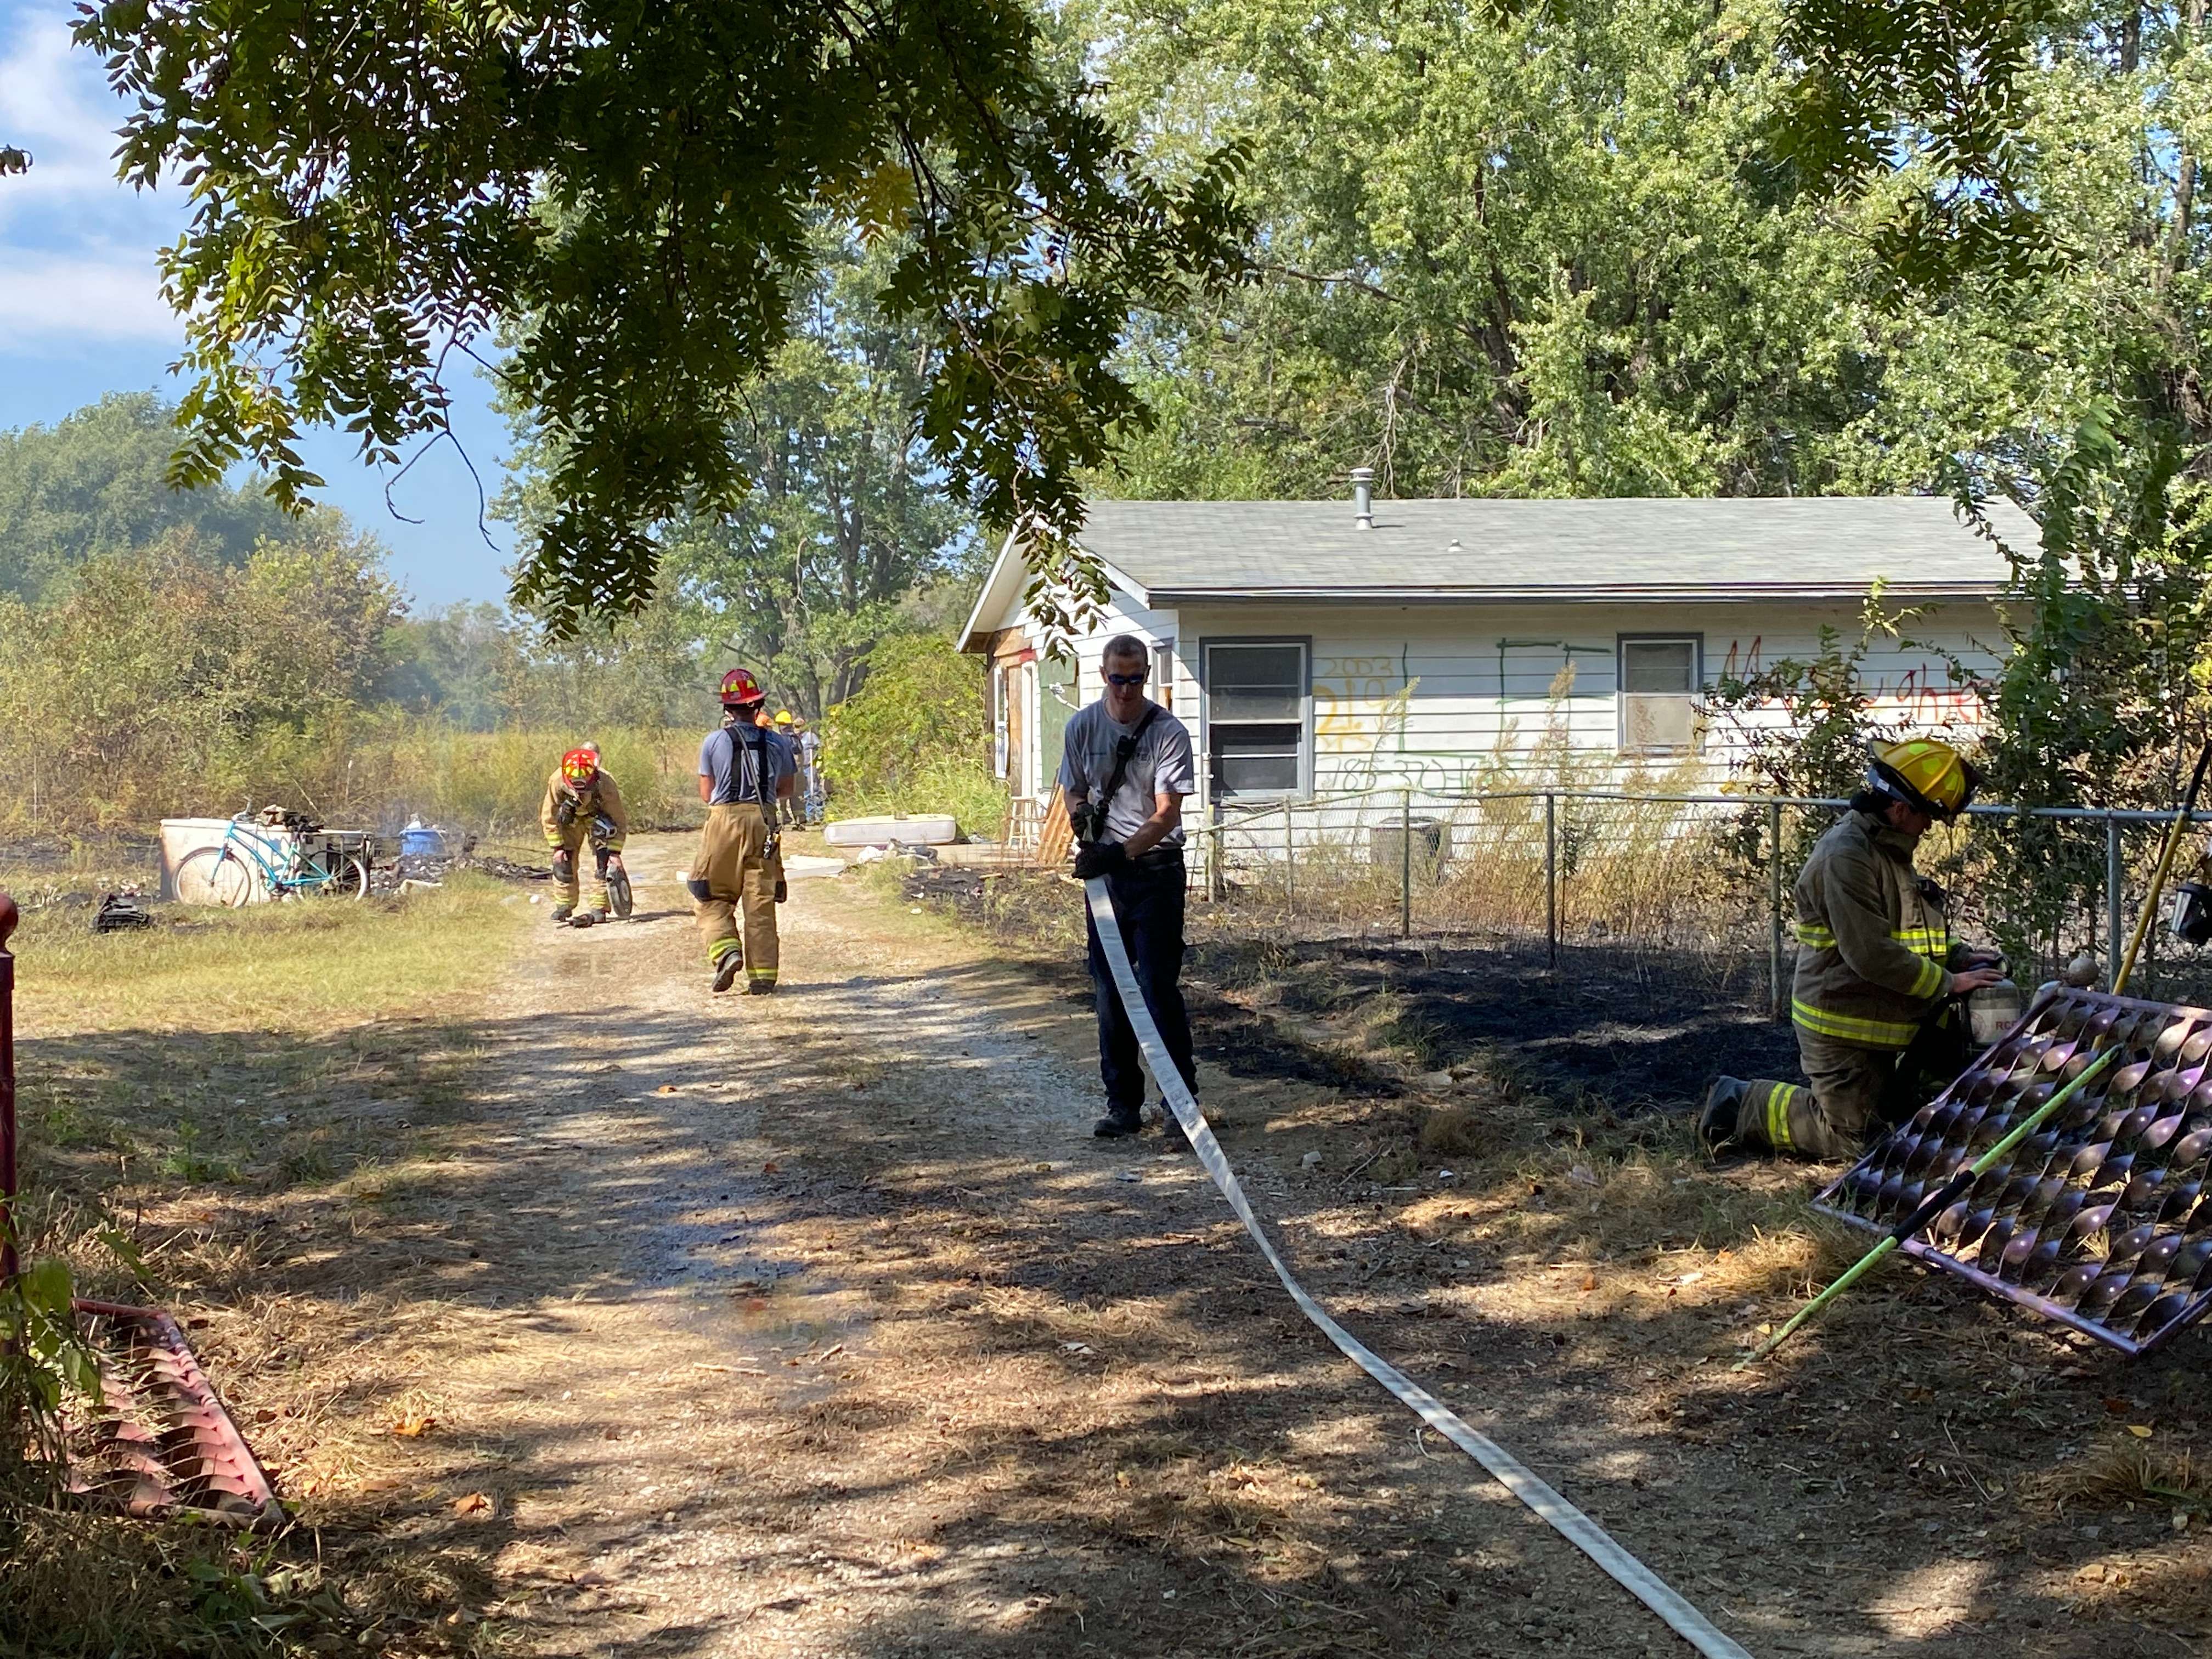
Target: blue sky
80, 313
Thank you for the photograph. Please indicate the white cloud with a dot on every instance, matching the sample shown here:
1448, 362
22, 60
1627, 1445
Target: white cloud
77, 246
48, 302
54, 102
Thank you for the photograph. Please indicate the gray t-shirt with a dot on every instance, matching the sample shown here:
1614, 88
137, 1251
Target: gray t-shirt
737, 783
1161, 766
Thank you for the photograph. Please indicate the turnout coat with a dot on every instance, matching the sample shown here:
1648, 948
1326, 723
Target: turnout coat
1875, 951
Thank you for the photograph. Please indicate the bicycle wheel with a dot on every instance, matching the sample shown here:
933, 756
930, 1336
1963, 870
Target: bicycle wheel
341, 875
214, 875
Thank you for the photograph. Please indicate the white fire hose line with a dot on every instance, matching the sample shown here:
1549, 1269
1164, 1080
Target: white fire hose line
1584, 1533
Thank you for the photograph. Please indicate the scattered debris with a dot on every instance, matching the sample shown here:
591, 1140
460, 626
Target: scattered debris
123, 910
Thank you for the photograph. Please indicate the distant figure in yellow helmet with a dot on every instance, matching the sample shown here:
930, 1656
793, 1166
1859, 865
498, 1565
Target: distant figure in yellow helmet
1878, 973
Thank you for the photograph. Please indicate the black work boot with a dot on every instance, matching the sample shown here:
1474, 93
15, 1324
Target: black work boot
1118, 1121
1717, 1123
1172, 1137
728, 969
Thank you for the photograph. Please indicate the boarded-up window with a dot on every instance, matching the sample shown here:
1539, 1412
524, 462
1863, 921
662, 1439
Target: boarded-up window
1256, 730
1660, 682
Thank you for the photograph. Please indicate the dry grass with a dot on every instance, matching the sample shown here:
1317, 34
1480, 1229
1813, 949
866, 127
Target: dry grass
218, 1089
2123, 1470
372, 766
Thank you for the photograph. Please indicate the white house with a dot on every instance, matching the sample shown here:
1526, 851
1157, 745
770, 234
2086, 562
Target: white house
1316, 647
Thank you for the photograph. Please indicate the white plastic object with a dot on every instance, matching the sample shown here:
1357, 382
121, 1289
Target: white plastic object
927, 829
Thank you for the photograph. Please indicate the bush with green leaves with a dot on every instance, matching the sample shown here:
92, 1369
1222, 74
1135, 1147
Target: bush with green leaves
917, 738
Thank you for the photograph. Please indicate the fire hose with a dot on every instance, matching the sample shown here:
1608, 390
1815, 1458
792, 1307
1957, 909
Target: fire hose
1577, 1528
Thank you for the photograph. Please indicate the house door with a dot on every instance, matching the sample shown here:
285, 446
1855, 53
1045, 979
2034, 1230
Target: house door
1056, 701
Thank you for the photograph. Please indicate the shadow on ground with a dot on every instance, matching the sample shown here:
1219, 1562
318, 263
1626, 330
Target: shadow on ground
934, 1376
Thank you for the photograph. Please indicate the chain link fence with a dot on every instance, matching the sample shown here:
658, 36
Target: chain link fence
1694, 887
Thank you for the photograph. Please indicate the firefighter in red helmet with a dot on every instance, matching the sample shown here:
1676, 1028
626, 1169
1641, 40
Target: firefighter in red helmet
582, 805
746, 769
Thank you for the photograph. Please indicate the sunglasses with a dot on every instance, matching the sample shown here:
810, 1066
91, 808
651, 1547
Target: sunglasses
1128, 679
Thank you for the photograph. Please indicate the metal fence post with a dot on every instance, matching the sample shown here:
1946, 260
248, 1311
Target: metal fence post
1406, 865
2115, 875
1290, 863
1551, 879
9, 1263
1774, 910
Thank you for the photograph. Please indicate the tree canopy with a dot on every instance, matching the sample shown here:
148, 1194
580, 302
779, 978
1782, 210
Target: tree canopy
849, 515
1590, 249
96, 482
376, 186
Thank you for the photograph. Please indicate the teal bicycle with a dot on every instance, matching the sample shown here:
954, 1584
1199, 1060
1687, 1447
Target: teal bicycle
252, 858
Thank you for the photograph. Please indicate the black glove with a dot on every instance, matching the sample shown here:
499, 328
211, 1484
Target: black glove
1099, 858
564, 862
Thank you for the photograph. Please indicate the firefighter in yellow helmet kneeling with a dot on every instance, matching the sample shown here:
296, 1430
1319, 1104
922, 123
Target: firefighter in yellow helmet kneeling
1878, 972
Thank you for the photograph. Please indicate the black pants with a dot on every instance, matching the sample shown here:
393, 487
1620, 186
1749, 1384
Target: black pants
1148, 901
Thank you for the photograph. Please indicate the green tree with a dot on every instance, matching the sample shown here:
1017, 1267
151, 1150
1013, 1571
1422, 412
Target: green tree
2034, 174
95, 482
1536, 250
849, 515
144, 685
376, 188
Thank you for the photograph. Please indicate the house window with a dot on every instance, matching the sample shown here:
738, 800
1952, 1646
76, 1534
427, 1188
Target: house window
1258, 736
1163, 674
1660, 682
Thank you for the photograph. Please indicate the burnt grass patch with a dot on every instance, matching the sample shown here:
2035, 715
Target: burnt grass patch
1636, 1033
1642, 1036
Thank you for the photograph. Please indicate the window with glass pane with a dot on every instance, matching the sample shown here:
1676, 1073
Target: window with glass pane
1256, 718
1658, 697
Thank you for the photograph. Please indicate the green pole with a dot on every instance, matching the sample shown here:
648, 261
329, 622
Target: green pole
1944, 1197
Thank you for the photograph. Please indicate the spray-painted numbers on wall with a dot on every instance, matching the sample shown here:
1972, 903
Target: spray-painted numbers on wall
1352, 698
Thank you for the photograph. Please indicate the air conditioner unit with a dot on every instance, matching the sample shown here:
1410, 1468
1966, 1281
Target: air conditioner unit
1658, 722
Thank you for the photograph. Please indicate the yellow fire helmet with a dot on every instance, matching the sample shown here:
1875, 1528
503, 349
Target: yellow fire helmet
783, 717
1926, 774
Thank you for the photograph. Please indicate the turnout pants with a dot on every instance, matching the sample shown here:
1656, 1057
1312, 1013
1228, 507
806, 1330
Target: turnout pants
1850, 1094
567, 877
740, 877
1148, 904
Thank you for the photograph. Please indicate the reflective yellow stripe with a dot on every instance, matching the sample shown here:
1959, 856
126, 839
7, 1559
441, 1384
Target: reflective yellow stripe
1932, 979
1934, 942
1778, 1101
1874, 1033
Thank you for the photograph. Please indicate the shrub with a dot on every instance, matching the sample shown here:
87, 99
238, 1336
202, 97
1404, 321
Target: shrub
917, 738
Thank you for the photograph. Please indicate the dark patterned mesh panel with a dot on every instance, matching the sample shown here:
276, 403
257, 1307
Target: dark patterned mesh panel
2100, 1219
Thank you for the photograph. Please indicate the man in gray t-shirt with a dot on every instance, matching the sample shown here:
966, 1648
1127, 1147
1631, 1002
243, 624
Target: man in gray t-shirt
1138, 851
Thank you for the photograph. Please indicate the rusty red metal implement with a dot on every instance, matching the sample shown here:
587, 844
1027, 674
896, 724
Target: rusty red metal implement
162, 1442
159, 1442
2102, 1220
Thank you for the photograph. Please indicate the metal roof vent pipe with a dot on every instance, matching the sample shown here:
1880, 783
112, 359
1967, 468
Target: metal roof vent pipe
1363, 498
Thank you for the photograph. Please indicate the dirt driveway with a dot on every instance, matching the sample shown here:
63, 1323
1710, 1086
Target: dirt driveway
817, 1324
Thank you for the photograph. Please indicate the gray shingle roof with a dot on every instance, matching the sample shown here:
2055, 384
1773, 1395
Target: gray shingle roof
1743, 547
